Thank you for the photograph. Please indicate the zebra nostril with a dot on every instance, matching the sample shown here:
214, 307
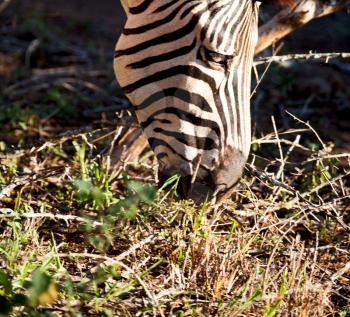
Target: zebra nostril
201, 192
228, 170
209, 185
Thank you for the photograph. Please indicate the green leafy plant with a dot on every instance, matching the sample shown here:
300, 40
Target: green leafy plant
39, 290
87, 193
114, 209
136, 195
17, 116
321, 171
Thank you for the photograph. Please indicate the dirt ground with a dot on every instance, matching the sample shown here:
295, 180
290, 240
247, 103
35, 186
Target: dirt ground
106, 17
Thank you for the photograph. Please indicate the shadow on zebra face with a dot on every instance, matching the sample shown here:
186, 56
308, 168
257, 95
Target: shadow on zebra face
185, 67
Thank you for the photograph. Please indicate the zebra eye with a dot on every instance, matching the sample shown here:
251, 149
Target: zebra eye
209, 56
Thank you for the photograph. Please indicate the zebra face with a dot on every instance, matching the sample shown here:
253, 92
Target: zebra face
185, 66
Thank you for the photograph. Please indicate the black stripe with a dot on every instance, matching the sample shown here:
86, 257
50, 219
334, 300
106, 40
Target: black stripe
234, 26
188, 10
187, 70
185, 116
154, 142
206, 27
165, 38
154, 25
243, 39
184, 95
165, 6
142, 7
163, 57
220, 110
215, 28
202, 143
231, 107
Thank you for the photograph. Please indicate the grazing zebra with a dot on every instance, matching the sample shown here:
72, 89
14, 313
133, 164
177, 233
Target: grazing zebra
185, 66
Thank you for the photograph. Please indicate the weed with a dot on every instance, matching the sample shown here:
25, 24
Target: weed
17, 117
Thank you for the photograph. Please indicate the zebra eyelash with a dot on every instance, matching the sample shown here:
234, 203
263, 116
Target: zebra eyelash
214, 58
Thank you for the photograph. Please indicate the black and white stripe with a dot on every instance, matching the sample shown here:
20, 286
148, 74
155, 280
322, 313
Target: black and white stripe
185, 65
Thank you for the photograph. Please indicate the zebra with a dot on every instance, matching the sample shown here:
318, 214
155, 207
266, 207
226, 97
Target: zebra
185, 66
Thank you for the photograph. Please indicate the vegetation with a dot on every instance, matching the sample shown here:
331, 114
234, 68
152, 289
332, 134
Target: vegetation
85, 231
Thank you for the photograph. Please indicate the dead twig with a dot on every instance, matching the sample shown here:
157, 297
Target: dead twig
309, 56
311, 129
4, 4
6, 213
6, 192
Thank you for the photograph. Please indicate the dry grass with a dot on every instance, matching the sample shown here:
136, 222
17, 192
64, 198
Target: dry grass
272, 249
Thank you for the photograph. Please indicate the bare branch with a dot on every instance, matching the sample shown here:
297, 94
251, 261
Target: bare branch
292, 18
288, 57
6, 213
4, 5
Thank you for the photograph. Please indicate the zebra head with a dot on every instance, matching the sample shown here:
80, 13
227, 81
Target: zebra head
185, 66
